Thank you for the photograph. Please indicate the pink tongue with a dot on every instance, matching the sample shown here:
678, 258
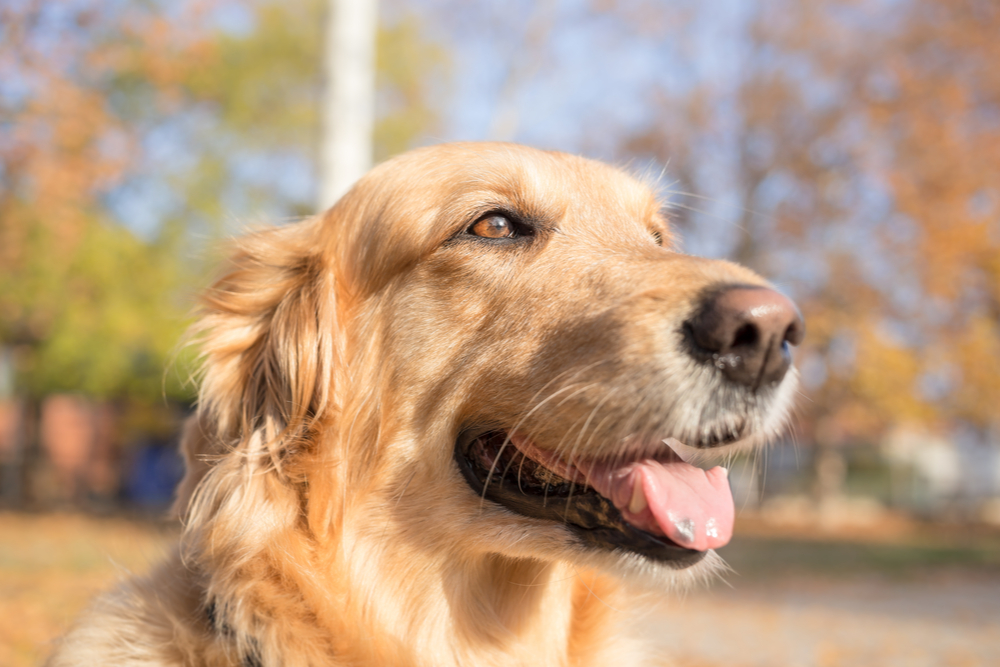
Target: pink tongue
691, 506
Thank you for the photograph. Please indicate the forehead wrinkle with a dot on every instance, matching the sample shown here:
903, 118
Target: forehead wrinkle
611, 203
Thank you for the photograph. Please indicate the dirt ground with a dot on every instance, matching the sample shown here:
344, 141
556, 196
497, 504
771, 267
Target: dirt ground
906, 596
952, 620
897, 594
52, 565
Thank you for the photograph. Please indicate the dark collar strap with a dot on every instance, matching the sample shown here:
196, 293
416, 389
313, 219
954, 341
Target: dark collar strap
252, 657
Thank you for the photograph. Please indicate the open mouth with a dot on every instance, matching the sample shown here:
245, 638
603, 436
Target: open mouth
659, 507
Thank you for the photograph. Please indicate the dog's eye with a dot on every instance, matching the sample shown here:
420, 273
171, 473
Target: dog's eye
657, 237
493, 227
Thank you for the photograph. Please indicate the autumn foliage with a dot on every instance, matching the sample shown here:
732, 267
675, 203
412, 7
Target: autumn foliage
855, 147
862, 144
85, 305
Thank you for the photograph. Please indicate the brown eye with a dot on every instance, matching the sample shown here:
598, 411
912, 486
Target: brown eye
492, 227
657, 237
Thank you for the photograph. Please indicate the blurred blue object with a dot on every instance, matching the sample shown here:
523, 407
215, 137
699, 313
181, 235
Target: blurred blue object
155, 471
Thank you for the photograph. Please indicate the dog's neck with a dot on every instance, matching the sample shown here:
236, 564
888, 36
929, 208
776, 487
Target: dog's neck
525, 610
373, 604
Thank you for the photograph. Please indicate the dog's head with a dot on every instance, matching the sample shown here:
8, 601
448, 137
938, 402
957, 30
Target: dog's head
486, 348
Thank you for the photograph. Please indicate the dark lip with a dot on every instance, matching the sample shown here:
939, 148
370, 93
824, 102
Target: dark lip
591, 517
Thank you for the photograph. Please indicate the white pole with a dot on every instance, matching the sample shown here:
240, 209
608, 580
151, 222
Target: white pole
349, 97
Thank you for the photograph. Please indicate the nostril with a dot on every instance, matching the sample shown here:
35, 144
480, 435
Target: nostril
795, 332
746, 336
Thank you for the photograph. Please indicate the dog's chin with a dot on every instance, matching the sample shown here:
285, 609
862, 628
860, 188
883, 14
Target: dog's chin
646, 574
502, 475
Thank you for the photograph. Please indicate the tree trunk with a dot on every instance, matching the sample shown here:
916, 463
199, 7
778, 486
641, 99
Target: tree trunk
349, 98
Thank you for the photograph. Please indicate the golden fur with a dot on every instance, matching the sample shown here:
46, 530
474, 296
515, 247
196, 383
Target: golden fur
325, 522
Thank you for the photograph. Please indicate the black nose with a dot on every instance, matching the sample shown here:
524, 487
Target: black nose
745, 332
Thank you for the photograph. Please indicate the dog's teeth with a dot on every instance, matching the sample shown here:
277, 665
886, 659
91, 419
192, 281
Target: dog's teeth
638, 501
725, 471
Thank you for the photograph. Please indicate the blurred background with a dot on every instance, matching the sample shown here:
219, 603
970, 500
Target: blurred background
849, 150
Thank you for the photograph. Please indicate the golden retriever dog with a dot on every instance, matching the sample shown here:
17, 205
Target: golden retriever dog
461, 418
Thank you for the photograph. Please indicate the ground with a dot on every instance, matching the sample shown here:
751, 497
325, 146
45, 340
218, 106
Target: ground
52, 565
894, 594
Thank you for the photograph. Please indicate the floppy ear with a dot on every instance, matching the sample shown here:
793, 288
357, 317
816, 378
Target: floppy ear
266, 334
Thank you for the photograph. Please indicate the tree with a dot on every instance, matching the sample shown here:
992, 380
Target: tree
81, 298
892, 164
867, 161
128, 133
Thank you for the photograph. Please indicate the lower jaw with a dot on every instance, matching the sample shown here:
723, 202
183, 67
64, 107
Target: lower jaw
589, 516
